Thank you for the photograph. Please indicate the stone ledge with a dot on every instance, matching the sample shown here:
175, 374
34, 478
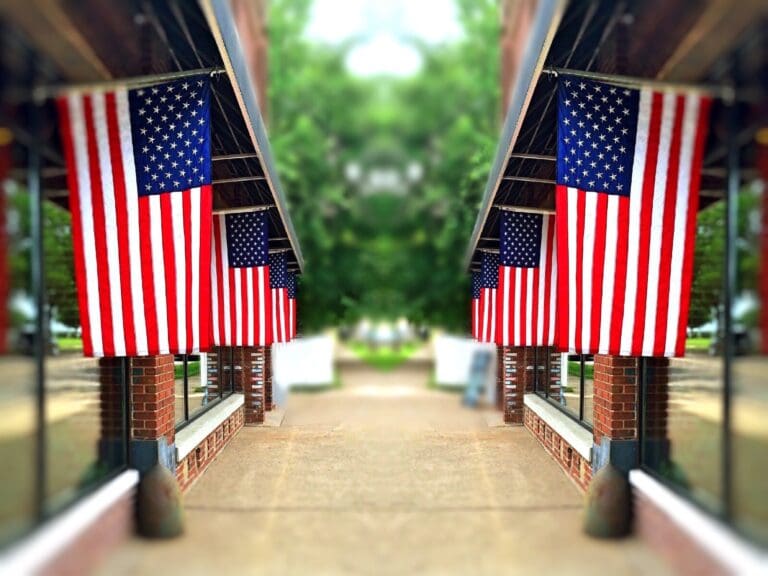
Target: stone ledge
726, 548
578, 437
198, 430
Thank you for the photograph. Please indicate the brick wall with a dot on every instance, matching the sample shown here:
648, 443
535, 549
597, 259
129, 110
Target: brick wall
268, 397
615, 400
191, 466
152, 398
517, 375
577, 467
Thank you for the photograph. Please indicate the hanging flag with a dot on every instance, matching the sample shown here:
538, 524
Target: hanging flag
278, 279
475, 312
489, 277
527, 280
139, 171
242, 298
628, 172
292, 309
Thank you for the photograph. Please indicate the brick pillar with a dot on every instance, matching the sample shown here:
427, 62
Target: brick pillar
152, 412
517, 375
499, 378
655, 428
112, 426
250, 379
269, 403
615, 412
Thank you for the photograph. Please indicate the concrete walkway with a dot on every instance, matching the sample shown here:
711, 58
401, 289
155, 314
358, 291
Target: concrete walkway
383, 477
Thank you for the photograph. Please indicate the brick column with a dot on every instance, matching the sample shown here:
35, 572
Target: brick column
112, 425
250, 379
517, 379
268, 396
656, 400
499, 378
152, 412
615, 422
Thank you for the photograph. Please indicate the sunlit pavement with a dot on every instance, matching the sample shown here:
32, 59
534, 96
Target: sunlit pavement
383, 476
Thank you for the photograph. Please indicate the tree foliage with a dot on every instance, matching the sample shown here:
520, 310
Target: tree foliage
395, 250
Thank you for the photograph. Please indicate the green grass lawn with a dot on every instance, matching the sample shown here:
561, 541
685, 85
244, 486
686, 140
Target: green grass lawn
67, 344
384, 358
193, 369
697, 344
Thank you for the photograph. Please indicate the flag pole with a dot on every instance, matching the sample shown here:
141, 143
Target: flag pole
42, 93
523, 209
243, 209
721, 91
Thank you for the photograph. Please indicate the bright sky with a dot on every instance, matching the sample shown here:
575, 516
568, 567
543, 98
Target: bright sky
383, 30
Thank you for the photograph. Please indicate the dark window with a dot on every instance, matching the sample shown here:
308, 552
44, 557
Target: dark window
567, 382
202, 380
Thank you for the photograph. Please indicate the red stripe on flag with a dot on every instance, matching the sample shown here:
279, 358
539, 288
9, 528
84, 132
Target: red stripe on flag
620, 276
121, 212
245, 312
561, 219
668, 231
77, 227
169, 266
147, 276
549, 289
100, 230
690, 235
206, 221
646, 212
581, 202
523, 320
186, 203
598, 263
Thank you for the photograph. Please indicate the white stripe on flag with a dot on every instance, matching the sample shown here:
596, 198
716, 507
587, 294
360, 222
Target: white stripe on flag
492, 337
158, 271
249, 312
587, 266
529, 304
690, 121
573, 225
215, 281
543, 272
112, 257
225, 282
505, 311
262, 308
275, 331
609, 271
132, 210
635, 203
518, 291
553, 293
179, 250
657, 220
80, 146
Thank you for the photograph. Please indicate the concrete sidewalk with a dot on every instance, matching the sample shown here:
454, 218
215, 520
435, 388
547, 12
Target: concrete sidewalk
383, 477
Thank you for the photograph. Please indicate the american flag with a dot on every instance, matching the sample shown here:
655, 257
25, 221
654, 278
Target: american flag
278, 278
527, 280
292, 309
489, 278
628, 172
475, 305
242, 298
139, 171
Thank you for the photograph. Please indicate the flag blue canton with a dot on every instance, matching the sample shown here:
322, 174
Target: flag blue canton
247, 239
520, 239
170, 125
475, 284
489, 270
278, 270
291, 285
596, 129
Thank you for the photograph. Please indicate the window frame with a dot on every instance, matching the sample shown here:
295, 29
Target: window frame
225, 370
543, 369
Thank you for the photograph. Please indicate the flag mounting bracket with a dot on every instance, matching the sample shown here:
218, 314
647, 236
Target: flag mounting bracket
723, 91
42, 93
523, 209
243, 209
